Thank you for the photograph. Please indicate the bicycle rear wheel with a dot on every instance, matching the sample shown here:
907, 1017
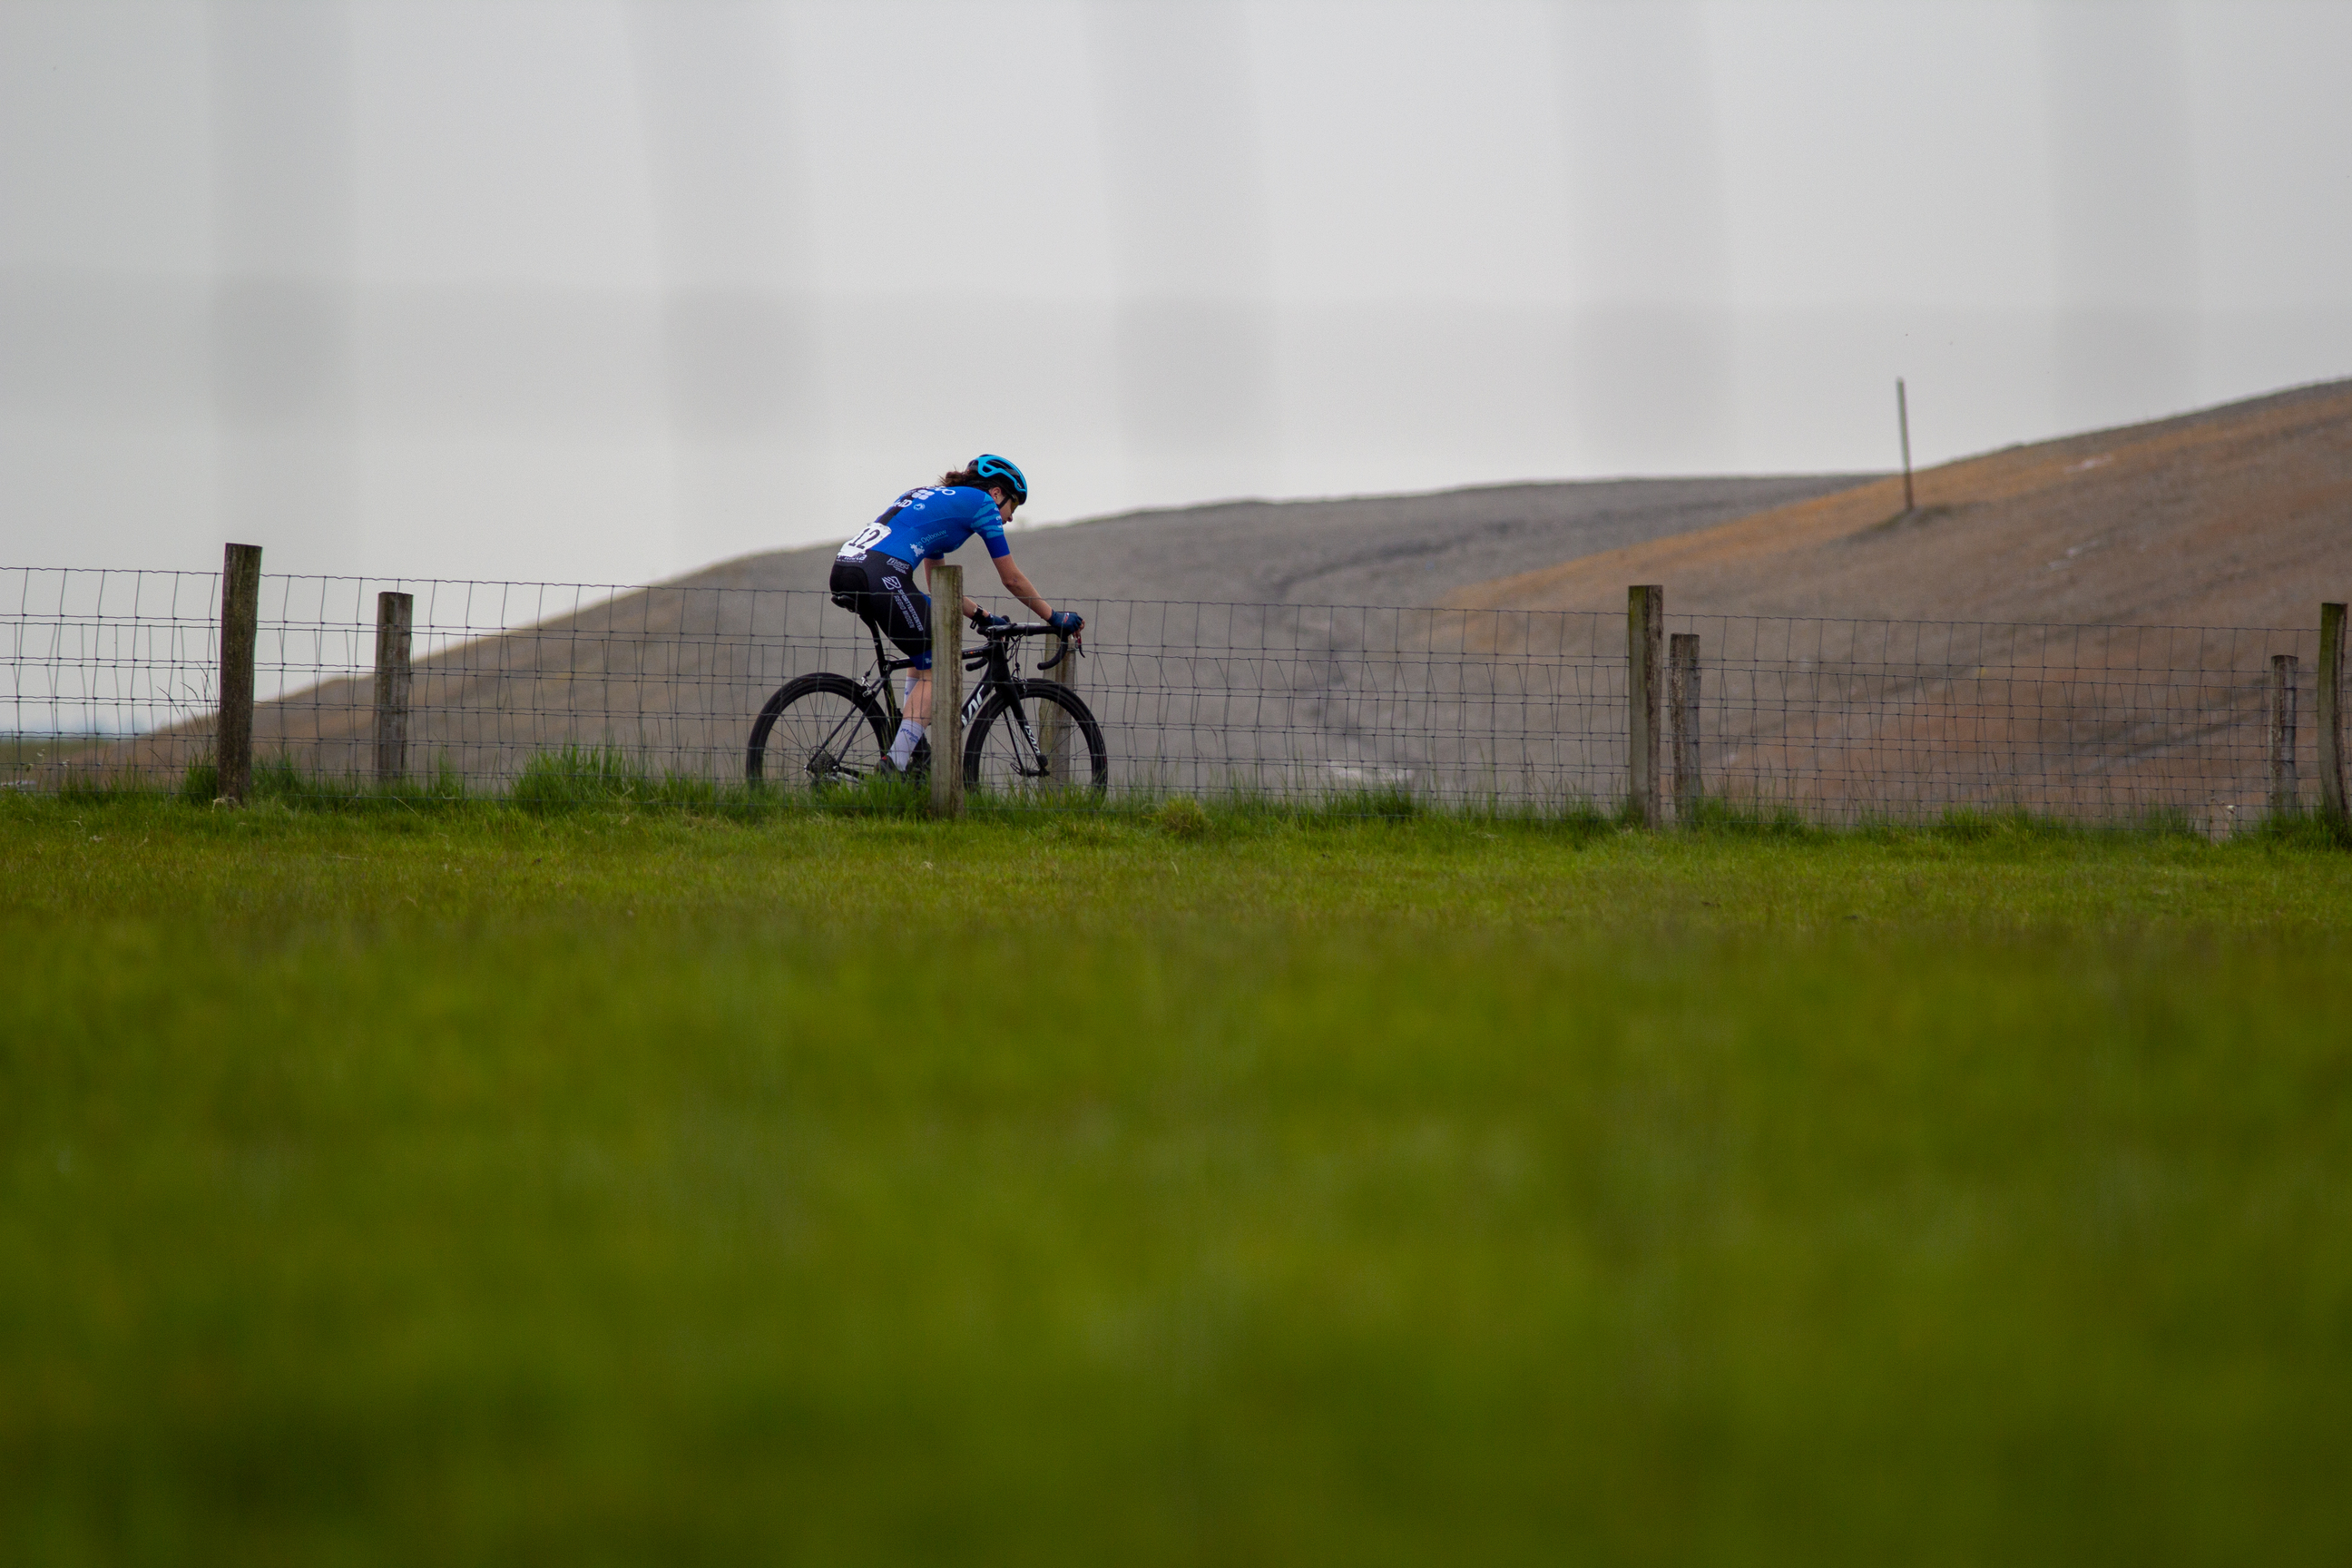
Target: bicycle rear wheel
817, 732
1013, 752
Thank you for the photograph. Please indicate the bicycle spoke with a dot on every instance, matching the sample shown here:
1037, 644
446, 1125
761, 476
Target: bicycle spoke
822, 738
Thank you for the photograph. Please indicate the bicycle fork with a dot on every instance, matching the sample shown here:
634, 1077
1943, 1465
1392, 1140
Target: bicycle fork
1044, 768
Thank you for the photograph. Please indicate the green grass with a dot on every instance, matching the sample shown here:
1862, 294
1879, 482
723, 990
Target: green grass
593, 1182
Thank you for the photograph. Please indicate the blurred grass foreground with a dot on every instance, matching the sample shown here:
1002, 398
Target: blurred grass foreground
484, 1186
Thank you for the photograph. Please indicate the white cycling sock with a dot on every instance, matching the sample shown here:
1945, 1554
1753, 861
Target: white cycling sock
902, 749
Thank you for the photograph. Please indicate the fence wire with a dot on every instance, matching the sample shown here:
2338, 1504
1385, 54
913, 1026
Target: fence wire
109, 675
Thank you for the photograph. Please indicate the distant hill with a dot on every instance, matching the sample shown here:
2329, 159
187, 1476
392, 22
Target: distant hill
1359, 549
1901, 692
2237, 516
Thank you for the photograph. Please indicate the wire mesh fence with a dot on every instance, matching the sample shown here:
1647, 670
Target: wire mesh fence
1904, 718
106, 676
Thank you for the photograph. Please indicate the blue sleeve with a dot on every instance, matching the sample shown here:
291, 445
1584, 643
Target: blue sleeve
989, 523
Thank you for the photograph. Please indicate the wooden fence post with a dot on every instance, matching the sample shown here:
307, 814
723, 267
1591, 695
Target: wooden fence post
393, 613
239, 629
2331, 711
1681, 718
1645, 628
946, 690
2282, 672
1059, 741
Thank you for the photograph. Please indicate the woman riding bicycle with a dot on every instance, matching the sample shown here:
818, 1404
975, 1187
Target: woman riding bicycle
873, 576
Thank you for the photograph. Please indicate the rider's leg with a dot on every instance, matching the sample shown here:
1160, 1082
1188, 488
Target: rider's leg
905, 612
916, 718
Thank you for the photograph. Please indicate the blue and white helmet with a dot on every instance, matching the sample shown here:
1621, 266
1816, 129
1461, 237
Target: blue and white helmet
989, 466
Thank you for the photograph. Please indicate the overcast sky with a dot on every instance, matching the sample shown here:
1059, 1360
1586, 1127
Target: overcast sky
606, 290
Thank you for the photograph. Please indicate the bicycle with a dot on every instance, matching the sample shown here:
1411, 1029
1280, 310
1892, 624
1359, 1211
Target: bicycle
828, 732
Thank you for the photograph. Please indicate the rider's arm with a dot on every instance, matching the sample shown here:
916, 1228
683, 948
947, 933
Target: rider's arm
1016, 582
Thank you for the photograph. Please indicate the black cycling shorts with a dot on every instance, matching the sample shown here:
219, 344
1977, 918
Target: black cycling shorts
880, 589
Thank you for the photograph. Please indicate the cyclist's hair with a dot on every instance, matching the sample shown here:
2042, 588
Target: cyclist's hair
979, 481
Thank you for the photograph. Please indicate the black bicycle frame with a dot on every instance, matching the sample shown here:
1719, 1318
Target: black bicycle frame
995, 658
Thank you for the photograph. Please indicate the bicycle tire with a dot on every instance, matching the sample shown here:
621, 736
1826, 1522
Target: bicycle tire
822, 751
1002, 766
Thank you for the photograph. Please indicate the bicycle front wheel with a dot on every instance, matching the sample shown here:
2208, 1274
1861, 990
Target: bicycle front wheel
1035, 738
818, 732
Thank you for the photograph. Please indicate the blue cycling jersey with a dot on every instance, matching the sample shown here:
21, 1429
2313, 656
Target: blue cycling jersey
927, 523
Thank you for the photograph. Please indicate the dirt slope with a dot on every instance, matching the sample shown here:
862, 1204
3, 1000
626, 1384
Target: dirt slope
2063, 626
2240, 516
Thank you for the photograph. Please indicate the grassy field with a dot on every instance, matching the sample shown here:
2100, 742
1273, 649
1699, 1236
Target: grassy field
467, 1184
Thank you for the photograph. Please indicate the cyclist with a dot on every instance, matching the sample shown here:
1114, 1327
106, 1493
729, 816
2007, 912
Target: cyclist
874, 574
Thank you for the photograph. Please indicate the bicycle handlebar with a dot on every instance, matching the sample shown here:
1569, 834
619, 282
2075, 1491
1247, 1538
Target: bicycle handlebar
974, 658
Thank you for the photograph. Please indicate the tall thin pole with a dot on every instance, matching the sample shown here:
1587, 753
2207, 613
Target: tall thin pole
1903, 418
